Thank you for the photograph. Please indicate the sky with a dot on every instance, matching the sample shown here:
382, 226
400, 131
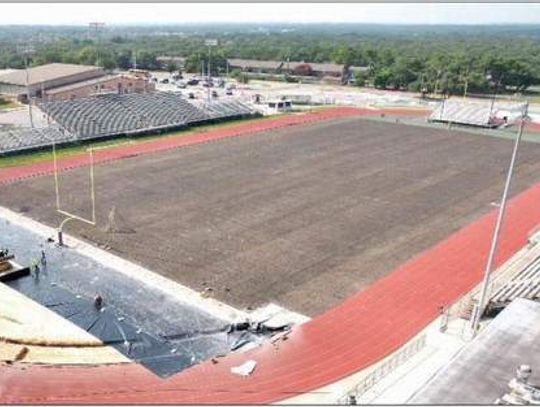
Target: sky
389, 13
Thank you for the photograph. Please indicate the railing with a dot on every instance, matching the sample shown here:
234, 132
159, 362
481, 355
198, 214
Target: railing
380, 372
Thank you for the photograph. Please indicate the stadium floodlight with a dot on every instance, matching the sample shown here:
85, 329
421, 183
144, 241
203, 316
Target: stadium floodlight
480, 307
94, 28
495, 90
27, 50
71, 216
209, 43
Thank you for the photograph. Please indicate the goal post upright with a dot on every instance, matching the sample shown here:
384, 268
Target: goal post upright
68, 215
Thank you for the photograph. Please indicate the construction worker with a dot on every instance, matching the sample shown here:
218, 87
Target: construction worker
43, 258
98, 301
35, 268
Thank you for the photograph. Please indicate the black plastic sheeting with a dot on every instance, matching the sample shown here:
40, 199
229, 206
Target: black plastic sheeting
155, 330
164, 355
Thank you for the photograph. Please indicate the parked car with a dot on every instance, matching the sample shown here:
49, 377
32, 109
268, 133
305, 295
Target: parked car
228, 92
181, 85
191, 95
214, 94
165, 81
193, 82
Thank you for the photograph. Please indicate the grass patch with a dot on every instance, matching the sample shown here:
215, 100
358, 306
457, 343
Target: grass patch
73, 150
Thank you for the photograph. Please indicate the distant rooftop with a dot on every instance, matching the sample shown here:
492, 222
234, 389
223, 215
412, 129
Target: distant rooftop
81, 84
46, 73
317, 67
253, 63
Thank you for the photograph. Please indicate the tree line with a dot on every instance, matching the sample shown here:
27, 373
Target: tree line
450, 60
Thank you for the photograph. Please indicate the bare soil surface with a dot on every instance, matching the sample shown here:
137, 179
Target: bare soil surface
302, 217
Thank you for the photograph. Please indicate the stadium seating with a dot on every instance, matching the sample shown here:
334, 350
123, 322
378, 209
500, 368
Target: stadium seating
526, 284
459, 112
114, 114
226, 108
14, 139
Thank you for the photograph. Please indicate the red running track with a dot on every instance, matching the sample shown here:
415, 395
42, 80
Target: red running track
125, 151
364, 329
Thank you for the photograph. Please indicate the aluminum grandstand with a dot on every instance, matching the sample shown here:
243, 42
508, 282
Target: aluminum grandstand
14, 138
479, 114
526, 284
111, 115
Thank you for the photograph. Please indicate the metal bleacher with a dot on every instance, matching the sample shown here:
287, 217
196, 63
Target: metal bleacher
117, 114
13, 139
525, 284
460, 112
227, 108
113, 114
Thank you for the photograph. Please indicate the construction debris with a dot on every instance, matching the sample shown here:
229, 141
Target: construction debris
21, 354
9, 270
522, 392
245, 369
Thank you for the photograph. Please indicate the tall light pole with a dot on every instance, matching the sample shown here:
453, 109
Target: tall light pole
209, 43
444, 98
497, 84
93, 30
480, 307
26, 50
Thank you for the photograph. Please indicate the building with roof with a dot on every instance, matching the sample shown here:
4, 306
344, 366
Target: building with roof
253, 65
124, 83
178, 62
19, 85
325, 70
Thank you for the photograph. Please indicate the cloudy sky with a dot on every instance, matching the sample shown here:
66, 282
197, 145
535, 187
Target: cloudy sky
450, 13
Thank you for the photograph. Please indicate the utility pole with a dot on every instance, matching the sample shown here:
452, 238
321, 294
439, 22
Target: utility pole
25, 51
480, 307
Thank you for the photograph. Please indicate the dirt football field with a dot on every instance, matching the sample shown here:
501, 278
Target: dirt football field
302, 217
